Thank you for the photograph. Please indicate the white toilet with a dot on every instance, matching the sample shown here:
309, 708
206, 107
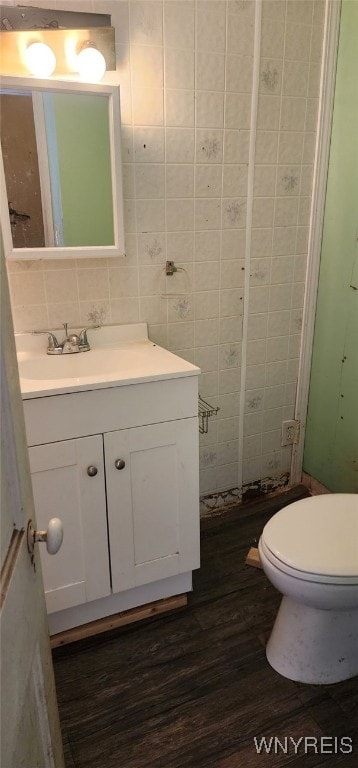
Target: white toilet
309, 552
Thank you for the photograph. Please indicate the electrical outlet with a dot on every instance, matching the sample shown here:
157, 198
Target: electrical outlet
290, 432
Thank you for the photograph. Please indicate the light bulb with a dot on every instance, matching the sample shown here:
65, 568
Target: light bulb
40, 59
91, 64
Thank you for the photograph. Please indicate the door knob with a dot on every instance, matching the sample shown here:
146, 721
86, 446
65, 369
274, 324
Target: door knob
92, 471
53, 536
119, 464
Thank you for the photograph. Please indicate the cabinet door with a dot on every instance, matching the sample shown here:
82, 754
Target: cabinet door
62, 488
153, 502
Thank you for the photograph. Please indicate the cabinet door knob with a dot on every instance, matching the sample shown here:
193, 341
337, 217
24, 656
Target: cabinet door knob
119, 464
92, 471
53, 536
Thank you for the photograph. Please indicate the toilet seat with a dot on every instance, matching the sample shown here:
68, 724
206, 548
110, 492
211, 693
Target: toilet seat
315, 539
316, 578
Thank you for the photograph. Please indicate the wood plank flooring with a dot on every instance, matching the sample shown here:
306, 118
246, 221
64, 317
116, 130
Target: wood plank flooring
192, 689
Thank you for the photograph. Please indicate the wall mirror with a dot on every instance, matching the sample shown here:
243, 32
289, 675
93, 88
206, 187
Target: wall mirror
61, 174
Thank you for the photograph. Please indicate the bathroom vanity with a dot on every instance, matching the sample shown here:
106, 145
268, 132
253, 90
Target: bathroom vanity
113, 446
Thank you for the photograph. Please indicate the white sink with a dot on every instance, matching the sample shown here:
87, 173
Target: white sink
97, 362
119, 355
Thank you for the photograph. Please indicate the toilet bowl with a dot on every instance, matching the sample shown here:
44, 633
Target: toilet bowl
309, 552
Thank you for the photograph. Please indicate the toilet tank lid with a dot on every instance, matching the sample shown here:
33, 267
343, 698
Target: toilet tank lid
317, 535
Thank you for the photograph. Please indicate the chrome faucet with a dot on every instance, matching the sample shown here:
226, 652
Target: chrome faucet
71, 344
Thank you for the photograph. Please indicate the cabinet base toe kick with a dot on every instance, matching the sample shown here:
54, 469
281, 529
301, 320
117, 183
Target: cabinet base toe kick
113, 611
122, 619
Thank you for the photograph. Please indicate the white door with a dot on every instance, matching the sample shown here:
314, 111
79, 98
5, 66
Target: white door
153, 502
68, 482
30, 731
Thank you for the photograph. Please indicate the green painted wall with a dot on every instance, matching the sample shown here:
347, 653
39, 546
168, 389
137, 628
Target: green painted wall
82, 129
331, 445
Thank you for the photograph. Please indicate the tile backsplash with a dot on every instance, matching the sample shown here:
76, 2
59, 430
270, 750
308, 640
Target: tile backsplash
186, 71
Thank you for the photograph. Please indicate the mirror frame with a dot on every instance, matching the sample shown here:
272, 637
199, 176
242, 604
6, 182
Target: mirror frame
108, 86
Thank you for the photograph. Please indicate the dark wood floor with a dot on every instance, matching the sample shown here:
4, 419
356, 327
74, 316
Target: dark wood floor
192, 689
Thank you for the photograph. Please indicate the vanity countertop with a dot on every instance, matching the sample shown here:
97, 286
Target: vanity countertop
120, 355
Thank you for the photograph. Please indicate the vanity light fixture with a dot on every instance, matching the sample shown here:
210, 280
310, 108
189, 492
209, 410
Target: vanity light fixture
91, 63
40, 59
44, 52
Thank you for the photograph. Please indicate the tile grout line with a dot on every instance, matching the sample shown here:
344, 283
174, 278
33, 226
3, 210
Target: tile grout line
280, 132
195, 268
223, 160
164, 56
134, 171
301, 164
249, 211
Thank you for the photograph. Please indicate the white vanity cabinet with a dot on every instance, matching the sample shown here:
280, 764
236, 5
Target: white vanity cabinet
119, 466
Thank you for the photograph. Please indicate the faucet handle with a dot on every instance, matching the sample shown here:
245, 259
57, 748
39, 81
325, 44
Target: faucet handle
52, 340
83, 337
89, 328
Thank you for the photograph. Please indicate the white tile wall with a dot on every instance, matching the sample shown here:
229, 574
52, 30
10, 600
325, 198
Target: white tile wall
186, 77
